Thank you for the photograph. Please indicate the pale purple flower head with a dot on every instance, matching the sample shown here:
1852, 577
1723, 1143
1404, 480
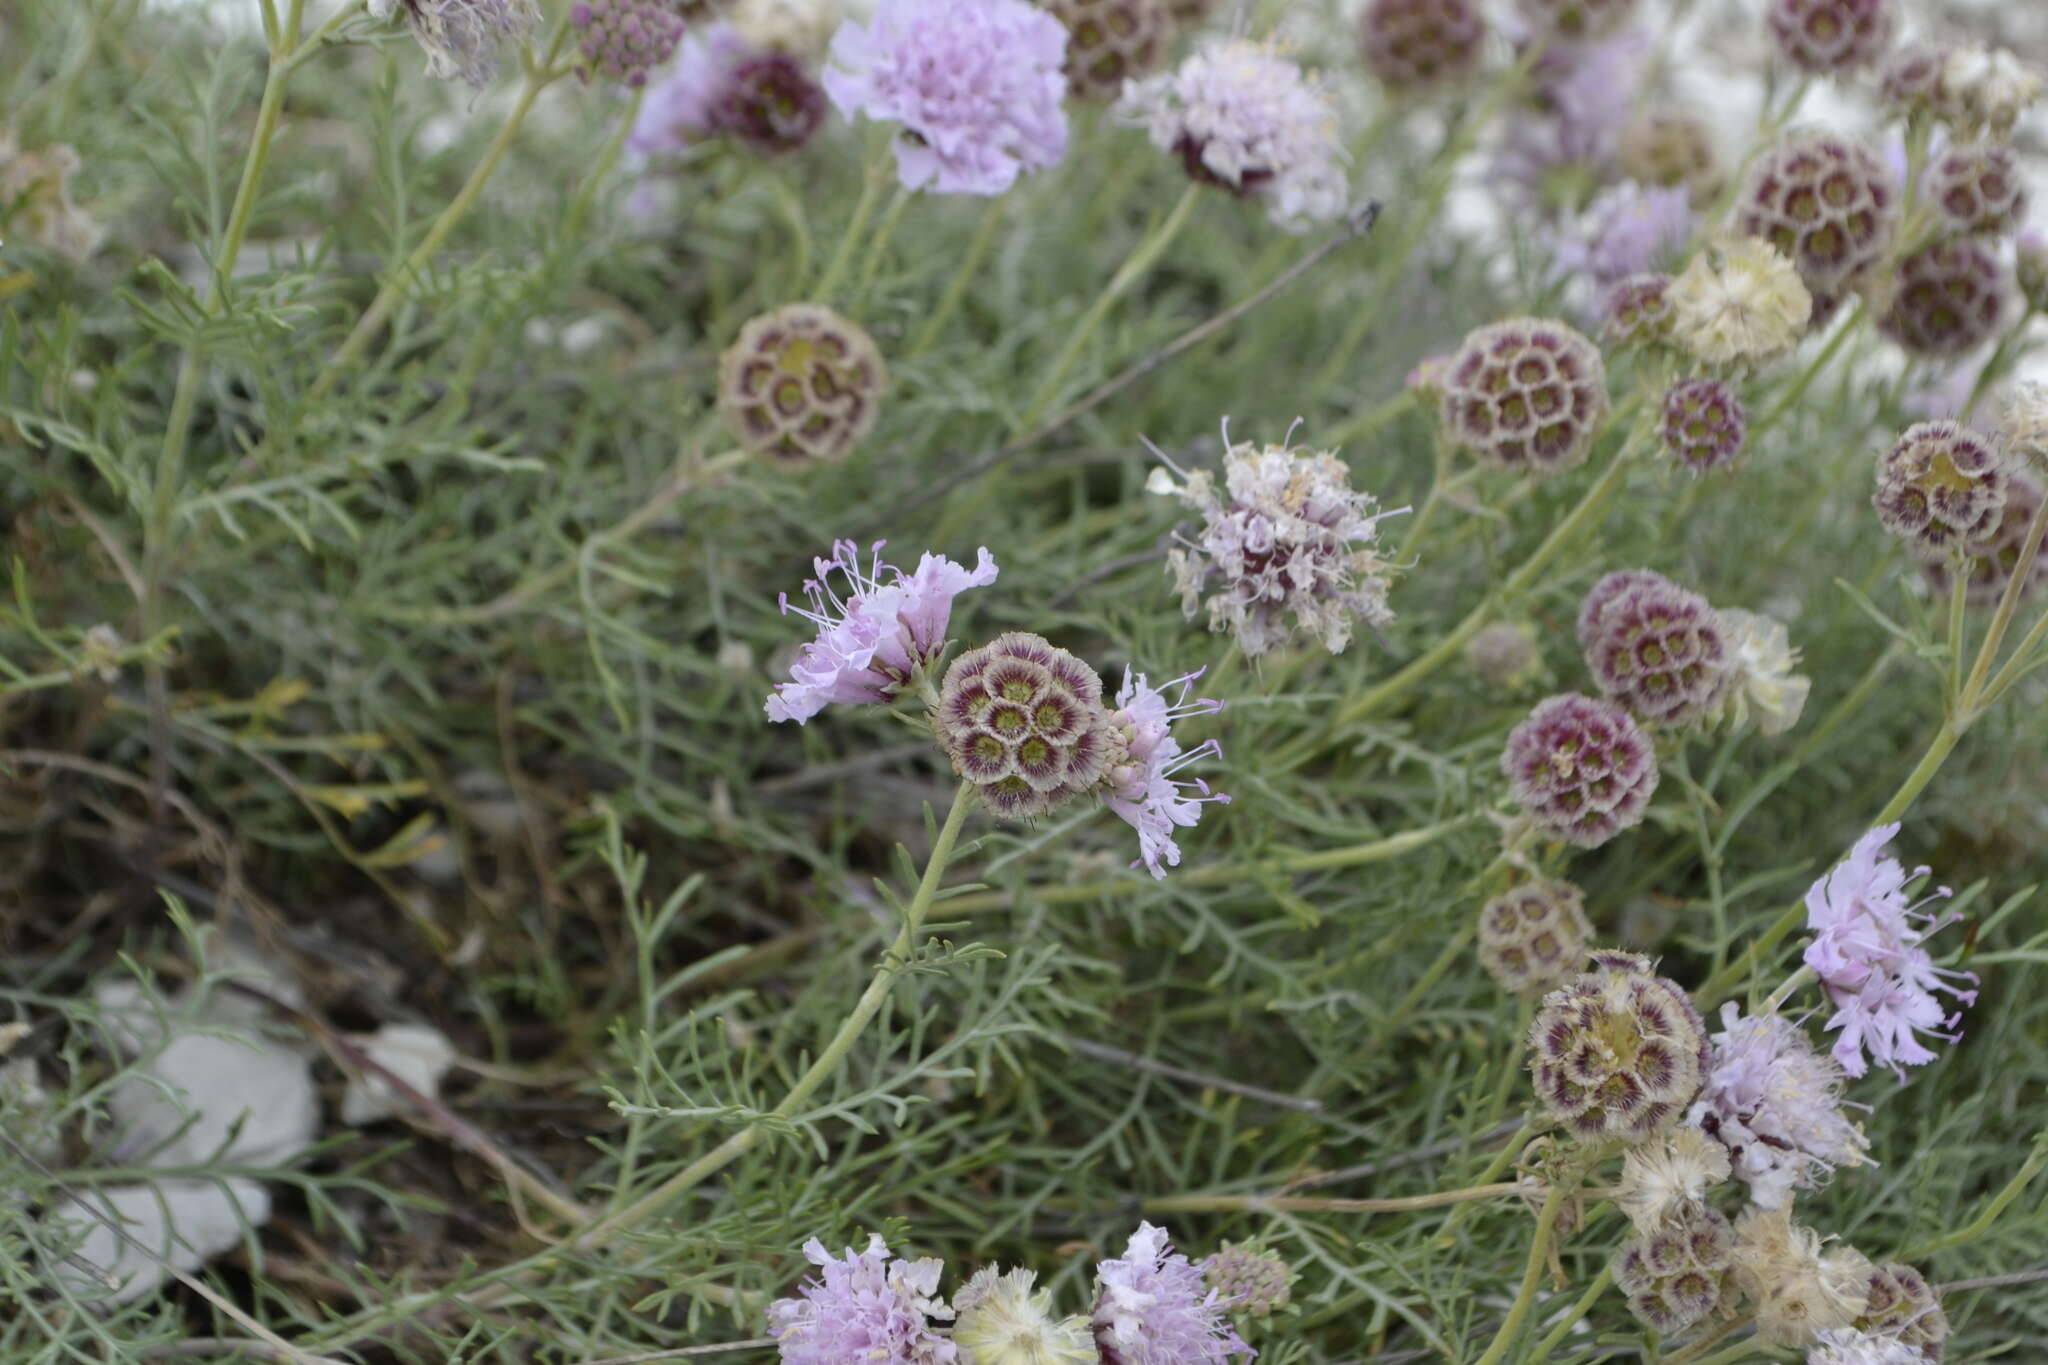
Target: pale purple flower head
1776, 1104
1847, 1346
875, 635
868, 1306
976, 84
1153, 1308
1627, 229
1143, 787
1573, 143
1241, 116
1869, 956
719, 83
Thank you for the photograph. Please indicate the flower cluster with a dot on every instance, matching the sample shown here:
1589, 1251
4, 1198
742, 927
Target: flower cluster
1796, 1286
1286, 549
1005, 1321
1739, 302
1240, 115
1767, 688
722, 84
867, 1305
1153, 1308
1871, 959
1252, 1281
1142, 786
1775, 1104
1617, 1052
976, 86
625, 40
1626, 231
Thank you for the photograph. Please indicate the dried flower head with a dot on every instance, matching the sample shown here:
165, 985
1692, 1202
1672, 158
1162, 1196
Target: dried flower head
1870, 956
1505, 655
863, 1306
875, 635
1414, 46
1828, 203
1581, 768
1767, 690
624, 40
1775, 1105
36, 203
1574, 20
1526, 394
1111, 41
1532, 938
1940, 487
1739, 302
1985, 89
1704, 424
1638, 311
1152, 1308
1241, 116
1023, 720
1656, 648
1901, 1305
1286, 549
1949, 299
1677, 1274
1662, 1180
1251, 1279
462, 38
1005, 1321
1672, 146
1141, 779
1978, 187
1795, 1288
1993, 558
2030, 268
1828, 36
977, 86
801, 384
1617, 1052
1847, 1346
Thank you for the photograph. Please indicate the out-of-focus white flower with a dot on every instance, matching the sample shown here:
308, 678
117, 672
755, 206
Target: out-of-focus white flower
1766, 689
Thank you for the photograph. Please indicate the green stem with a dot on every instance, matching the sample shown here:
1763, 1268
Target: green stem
956, 288
1589, 508
1141, 259
1504, 1156
856, 227
1287, 1203
1970, 701
1211, 874
871, 265
1550, 1343
828, 1061
1525, 1296
538, 78
1453, 950
1796, 390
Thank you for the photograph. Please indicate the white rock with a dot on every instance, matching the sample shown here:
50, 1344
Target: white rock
185, 1222
249, 1102
416, 1055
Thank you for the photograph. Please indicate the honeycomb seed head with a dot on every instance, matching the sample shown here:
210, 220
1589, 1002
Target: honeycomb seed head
1416, 46
1672, 146
1827, 36
1899, 1303
1111, 41
801, 384
1574, 20
1941, 486
1978, 187
1533, 937
1992, 558
1638, 311
1704, 424
1679, 1273
1655, 648
1505, 655
1828, 203
1527, 395
1023, 720
1949, 299
1617, 1052
1582, 769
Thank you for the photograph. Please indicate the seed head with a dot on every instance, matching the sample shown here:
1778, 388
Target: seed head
1111, 41
1656, 648
1978, 187
1910, 78
1574, 20
1527, 395
1678, 1274
1505, 655
1847, 1346
1581, 768
769, 101
1899, 1303
1415, 46
1795, 1288
801, 384
1639, 311
1704, 424
1005, 1321
1949, 300
1827, 36
1985, 90
624, 40
1940, 487
1664, 1179
1994, 557
1532, 938
1617, 1052
1828, 203
1023, 720
1739, 302
2023, 425
1672, 146
1249, 1279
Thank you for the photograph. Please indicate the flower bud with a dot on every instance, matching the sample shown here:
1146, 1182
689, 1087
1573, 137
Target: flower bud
624, 40
1249, 1279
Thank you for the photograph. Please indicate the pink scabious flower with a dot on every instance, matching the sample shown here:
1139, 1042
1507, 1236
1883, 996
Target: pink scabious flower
1142, 786
877, 634
1869, 956
680, 106
1627, 229
1570, 146
869, 1306
1776, 1105
1153, 1309
1241, 116
976, 84
719, 83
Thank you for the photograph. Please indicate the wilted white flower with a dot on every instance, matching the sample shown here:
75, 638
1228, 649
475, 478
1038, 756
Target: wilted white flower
1004, 1321
1988, 87
1796, 1288
1766, 689
1739, 301
1660, 1178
